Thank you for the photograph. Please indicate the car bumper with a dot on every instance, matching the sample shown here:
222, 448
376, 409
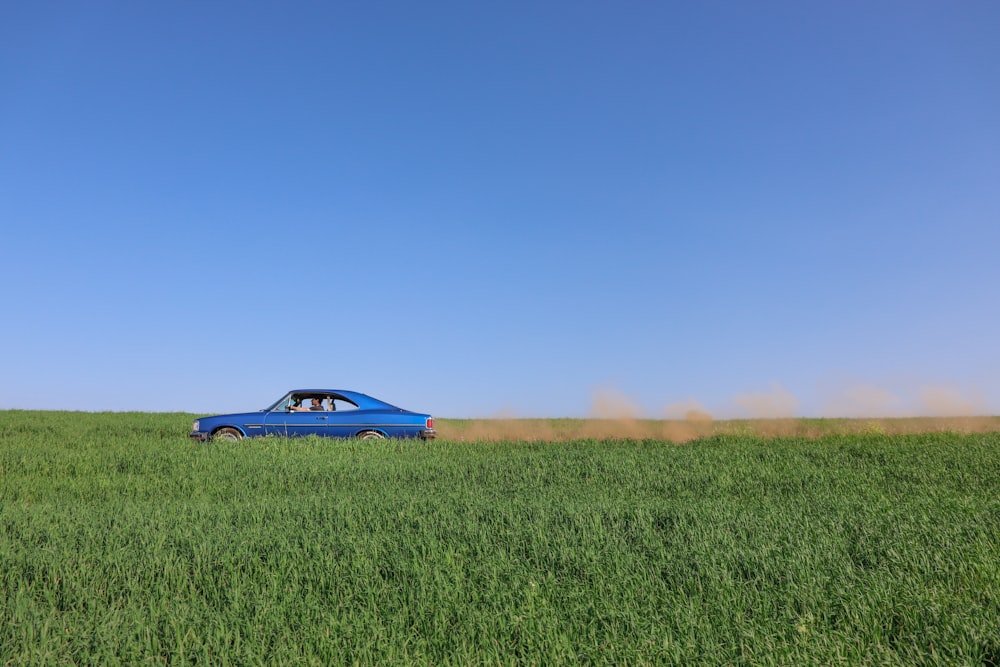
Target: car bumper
199, 436
428, 434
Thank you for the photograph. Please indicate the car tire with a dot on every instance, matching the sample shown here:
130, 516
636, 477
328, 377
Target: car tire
229, 434
371, 435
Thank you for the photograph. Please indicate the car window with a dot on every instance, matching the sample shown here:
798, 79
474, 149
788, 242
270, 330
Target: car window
304, 401
342, 404
336, 403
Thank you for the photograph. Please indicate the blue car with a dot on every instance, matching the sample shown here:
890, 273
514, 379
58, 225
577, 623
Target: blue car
331, 413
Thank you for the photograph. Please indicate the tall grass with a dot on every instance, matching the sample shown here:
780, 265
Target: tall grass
121, 542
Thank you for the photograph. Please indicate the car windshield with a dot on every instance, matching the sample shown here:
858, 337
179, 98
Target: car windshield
280, 404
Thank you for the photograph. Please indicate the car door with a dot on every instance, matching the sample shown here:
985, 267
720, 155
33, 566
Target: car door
295, 424
345, 418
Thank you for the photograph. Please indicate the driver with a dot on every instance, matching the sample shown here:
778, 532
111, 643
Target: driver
317, 405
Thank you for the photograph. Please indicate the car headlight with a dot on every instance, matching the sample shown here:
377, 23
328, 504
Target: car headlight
194, 426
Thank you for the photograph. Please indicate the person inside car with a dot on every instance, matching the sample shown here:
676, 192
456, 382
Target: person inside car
317, 405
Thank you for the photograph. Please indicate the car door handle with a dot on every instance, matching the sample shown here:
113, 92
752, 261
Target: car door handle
324, 418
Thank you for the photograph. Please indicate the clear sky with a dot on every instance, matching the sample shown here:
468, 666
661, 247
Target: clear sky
502, 208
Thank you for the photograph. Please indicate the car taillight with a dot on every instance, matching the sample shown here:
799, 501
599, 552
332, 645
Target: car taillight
430, 422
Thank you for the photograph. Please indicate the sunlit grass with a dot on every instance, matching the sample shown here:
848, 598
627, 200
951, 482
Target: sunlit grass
120, 541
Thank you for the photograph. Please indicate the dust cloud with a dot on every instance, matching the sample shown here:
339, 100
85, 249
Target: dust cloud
949, 401
773, 412
778, 403
607, 403
873, 401
689, 410
863, 400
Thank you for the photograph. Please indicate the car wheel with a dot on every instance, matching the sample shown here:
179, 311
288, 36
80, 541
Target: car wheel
371, 435
230, 434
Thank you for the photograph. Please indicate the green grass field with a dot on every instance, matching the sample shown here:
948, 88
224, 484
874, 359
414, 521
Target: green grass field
122, 542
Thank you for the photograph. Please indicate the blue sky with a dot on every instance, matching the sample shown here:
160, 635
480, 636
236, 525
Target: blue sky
521, 208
